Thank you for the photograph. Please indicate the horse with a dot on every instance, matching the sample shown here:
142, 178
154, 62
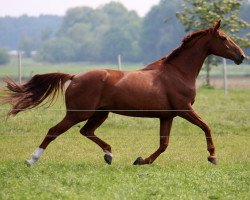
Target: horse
163, 89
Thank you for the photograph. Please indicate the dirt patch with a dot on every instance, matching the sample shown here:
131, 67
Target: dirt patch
240, 82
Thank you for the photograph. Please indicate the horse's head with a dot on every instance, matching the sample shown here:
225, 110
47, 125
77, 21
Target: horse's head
222, 45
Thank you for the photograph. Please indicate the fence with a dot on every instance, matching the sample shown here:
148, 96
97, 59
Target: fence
21, 69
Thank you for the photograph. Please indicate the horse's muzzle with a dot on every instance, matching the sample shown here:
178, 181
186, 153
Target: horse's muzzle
239, 60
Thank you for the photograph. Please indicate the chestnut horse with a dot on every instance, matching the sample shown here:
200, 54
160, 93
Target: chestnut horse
164, 89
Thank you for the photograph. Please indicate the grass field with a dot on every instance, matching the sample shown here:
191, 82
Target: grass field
73, 167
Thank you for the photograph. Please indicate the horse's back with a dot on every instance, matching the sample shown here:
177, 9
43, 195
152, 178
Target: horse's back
86, 89
135, 90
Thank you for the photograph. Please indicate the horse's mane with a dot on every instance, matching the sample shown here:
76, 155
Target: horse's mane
185, 41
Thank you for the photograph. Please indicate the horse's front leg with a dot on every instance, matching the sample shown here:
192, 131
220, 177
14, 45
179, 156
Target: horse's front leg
165, 127
194, 118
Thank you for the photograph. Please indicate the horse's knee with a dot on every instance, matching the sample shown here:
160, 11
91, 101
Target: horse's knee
86, 133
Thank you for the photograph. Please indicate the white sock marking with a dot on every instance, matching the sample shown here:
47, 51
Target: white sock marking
35, 156
108, 153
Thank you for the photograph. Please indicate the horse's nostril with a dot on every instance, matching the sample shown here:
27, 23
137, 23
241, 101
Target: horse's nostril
242, 57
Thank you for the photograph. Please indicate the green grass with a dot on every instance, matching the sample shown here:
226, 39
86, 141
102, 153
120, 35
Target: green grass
72, 167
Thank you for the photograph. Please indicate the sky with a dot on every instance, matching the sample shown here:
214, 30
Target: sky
59, 7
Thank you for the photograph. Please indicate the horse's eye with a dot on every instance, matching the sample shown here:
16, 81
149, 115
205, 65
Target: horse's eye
223, 38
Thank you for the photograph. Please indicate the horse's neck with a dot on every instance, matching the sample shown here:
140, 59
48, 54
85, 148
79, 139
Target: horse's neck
154, 65
191, 59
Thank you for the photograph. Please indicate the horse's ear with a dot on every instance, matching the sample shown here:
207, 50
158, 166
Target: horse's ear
217, 25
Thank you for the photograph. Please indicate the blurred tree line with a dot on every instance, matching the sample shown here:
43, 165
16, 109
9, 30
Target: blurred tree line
99, 35
88, 34
19, 32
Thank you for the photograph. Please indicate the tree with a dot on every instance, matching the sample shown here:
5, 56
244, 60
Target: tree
115, 42
123, 34
161, 31
197, 14
244, 14
46, 34
26, 45
4, 56
103, 33
58, 50
12, 29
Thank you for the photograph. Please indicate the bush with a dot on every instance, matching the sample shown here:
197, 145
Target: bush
4, 56
58, 50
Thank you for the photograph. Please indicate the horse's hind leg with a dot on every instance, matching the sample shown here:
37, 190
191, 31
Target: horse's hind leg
52, 134
89, 131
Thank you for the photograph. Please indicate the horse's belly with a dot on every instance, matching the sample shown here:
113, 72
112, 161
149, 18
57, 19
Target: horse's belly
148, 113
140, 106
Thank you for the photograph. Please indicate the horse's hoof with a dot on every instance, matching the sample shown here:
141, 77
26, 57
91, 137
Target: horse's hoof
108, 159
138, 161
28, 163
212, 159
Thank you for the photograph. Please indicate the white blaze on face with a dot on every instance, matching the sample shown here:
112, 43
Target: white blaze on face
35, 156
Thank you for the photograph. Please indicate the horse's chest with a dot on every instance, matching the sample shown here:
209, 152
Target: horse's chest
182, 96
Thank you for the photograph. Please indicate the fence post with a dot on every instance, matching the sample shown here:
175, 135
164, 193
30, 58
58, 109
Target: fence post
20, 67
119, 62
225, 75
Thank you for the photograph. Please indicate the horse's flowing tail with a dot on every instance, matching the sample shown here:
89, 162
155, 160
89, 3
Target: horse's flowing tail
35, 91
